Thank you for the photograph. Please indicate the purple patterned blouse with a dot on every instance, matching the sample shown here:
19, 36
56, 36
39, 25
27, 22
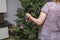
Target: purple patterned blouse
52, 10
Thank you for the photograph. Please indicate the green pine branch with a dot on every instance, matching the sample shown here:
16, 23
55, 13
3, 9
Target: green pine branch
29, 30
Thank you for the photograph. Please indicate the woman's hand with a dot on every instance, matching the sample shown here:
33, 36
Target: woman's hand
28, 19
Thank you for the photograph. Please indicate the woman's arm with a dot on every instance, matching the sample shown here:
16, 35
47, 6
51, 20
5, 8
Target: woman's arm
38, 21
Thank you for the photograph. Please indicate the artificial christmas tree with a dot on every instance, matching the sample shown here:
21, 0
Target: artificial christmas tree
27, 30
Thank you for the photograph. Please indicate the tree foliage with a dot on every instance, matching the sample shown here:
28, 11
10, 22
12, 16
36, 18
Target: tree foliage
27, 30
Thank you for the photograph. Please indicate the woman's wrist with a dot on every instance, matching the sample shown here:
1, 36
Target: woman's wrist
31, 17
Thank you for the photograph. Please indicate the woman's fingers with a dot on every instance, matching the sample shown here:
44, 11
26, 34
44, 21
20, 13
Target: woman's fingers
28, 17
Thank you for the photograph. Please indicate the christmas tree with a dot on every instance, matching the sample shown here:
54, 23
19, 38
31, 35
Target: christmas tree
27, 30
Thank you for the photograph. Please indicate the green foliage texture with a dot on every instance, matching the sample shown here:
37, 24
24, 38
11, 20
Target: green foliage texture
30, 29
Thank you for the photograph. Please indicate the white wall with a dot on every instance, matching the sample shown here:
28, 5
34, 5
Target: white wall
12, 6
3, 8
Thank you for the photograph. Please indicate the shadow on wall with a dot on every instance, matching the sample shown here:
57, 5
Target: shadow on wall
12, 6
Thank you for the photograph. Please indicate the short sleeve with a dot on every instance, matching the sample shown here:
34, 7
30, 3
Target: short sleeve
45, 8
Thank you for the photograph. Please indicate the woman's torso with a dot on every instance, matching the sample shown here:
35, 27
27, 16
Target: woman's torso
52, 20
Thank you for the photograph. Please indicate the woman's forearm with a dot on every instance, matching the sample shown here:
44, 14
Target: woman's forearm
35, 20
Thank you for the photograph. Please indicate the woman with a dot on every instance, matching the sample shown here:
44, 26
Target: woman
49, 16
